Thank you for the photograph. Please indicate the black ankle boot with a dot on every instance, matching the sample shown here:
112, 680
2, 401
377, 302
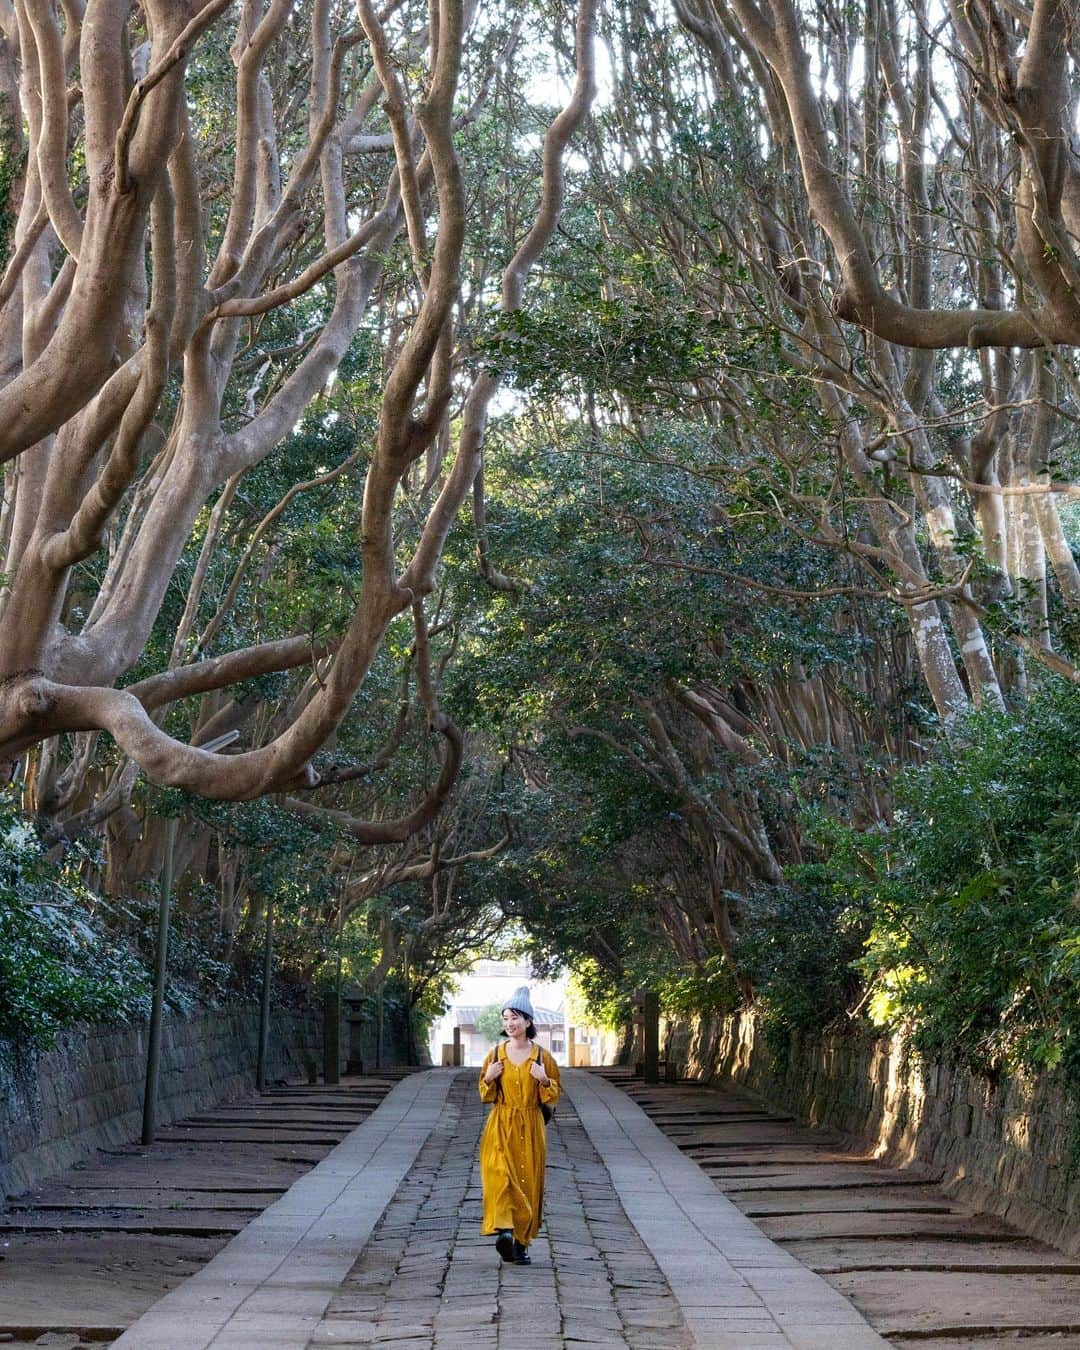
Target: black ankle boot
505, 1244
521, 1254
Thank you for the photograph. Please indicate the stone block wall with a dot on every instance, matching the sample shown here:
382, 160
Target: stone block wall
1010, 1148
58, 1106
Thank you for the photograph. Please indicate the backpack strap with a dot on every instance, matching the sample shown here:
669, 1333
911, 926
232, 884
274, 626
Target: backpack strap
500, 1055
546, 1110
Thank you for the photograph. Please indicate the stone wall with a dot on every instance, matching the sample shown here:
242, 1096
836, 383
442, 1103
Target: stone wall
359, 1043
57, 1107
1011, 1148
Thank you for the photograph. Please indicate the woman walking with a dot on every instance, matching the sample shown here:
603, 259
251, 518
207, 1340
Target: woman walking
517, 1077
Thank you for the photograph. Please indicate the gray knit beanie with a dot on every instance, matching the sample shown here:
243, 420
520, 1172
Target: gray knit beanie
520, 1002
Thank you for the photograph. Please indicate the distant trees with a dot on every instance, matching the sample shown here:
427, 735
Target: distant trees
670, 723
489, 1022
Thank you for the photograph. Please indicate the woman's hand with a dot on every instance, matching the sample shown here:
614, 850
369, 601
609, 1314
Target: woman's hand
494, 1071
539, 1072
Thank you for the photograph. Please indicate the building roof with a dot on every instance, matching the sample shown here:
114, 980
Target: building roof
466, 1015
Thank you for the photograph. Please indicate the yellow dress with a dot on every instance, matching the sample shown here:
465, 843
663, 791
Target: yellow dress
513, 1147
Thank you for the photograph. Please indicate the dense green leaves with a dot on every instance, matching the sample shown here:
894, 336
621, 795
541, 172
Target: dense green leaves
801, 943
975, 938
58, 964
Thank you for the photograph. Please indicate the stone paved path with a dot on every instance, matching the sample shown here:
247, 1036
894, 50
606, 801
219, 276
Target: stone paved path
427, 1279
380, 1245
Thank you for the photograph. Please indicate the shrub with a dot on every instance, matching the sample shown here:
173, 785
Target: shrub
56, 966
975, 943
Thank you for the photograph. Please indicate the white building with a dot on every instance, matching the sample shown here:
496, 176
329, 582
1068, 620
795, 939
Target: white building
488, 984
